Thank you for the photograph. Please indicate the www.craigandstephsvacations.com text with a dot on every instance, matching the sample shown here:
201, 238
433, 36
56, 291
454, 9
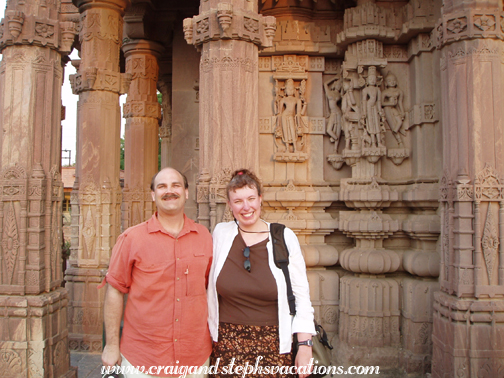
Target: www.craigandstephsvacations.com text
242, 370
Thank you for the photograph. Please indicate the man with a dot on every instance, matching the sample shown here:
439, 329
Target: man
163, 265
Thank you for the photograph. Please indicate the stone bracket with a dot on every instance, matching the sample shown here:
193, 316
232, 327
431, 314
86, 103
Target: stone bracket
423, 113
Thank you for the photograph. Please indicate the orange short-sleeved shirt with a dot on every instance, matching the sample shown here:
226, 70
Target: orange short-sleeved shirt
165, 320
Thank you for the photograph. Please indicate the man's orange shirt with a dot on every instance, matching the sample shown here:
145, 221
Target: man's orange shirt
165, 320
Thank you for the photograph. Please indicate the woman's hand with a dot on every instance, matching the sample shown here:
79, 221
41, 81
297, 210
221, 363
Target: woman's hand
303, 357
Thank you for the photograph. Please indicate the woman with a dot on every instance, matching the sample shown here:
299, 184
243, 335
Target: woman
248, 309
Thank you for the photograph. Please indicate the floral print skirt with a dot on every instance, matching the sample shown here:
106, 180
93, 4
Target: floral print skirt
249, 346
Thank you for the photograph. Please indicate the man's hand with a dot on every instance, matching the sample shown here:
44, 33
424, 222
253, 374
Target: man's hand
111, 355
113, 309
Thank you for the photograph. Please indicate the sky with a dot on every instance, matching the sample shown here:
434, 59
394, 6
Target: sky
69, 125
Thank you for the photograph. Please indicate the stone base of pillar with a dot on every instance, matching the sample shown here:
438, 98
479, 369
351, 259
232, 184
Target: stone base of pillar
416, 324
34, 337
324, 295
85, 313
468, 337
386, 358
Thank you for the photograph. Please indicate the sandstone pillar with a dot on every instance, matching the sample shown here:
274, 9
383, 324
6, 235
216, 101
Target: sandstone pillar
96, 202
229, 36
468, 335
34, 336
379, 323
142, 112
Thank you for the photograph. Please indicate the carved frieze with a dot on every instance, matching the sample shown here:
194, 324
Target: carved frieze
395, 53
227, 64
142, 109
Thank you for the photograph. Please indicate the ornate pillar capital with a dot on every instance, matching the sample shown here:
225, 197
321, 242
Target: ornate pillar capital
142, 46
84, 5
45, 28
230, 22
469, 24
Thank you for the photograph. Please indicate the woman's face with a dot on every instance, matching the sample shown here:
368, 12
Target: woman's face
245, 204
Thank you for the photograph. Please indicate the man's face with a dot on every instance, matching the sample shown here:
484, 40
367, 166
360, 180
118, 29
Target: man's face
169, 192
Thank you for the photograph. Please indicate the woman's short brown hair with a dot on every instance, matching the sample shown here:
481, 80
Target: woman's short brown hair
241, 178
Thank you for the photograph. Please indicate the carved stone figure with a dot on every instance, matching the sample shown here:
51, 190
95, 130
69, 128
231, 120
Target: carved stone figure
333, 97
372, 113
392, 102
350, 116
289, 122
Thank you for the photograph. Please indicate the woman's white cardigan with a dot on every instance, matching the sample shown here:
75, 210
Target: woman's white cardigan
223, 237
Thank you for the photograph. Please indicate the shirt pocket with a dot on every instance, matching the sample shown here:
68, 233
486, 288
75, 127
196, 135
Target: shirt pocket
152, 276
196, 271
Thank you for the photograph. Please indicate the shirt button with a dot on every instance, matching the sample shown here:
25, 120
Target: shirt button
178, 258
175, 339
176, 320
178, 278
178, 299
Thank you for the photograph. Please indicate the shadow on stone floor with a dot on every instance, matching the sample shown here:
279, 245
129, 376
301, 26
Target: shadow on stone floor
88, 364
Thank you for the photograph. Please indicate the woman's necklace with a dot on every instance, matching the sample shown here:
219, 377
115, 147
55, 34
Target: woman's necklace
250, 232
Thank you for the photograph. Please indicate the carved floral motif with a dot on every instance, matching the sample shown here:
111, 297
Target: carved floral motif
488, 185
10, 242
10, 362
457, 25
490, 243
44, 30
484, 22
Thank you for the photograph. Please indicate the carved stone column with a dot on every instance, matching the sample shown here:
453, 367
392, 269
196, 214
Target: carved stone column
165, 129
34, 337
468, 311
142, 112
96, 209
229, 36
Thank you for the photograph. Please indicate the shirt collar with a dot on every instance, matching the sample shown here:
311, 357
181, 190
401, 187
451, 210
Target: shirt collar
154, 225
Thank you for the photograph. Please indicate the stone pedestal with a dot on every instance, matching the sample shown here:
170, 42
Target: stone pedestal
96, 208
142, 112
33, 324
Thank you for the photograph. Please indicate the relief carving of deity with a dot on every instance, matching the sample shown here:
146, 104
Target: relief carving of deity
372, 115
290, 109
392, 102
334, 96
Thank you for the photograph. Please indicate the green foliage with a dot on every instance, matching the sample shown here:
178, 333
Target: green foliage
122, 155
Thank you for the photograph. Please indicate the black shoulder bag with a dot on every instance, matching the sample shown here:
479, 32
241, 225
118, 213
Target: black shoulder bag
321, 346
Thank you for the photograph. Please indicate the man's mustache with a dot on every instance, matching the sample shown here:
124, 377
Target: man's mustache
170, 196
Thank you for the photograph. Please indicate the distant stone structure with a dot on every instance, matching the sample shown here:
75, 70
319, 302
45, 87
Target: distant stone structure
376, 128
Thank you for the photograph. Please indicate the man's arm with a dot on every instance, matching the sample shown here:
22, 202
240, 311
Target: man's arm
113, 310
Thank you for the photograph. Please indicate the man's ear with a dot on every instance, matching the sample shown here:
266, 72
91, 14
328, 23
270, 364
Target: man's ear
153, 195
187, 194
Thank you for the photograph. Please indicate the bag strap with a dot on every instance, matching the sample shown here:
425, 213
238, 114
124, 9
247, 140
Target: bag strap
281, 257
